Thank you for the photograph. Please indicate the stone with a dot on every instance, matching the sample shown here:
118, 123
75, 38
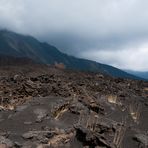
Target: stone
41, 114
6, 141
142, 138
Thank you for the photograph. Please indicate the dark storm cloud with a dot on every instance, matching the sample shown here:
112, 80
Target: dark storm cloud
109, 31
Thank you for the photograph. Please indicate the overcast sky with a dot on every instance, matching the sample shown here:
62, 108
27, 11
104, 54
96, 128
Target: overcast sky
114, 32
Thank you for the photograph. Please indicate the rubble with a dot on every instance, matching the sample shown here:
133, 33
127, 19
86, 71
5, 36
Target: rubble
142, 138
62, 108
5, 142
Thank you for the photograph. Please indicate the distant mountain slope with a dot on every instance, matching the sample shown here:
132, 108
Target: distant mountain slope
139, 74
15, 61
13, 44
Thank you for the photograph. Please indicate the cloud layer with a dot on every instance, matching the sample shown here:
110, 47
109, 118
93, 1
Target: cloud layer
114, 32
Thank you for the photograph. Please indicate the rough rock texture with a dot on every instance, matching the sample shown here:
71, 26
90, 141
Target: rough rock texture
50, 107
142, 139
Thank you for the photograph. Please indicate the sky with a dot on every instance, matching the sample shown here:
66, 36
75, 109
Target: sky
113, 32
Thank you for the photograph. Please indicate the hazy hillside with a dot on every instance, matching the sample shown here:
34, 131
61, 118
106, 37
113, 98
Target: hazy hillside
139, 74
14, 44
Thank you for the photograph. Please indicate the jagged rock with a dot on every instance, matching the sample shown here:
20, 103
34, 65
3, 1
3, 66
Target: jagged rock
28, 135
90, 138
41, 136
142, 138
41, 114
17, 145
77, 108
6, 141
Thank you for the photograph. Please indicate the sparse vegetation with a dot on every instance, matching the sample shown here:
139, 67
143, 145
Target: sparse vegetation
112, 99
134, 110
58, 111
119, 134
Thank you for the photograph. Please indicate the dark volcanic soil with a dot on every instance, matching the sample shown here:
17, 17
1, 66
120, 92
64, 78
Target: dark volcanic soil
49, 107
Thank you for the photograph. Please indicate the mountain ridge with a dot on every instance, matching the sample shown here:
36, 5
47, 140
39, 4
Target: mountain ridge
142, 74
17, 45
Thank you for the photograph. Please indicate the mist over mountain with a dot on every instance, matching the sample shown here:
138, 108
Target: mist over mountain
139, 74
13, 44
103, 31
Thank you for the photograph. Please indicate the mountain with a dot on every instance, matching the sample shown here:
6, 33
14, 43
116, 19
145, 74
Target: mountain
139, 74
15, 61
17, 45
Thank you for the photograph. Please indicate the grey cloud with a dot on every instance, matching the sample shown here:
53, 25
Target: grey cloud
84, 27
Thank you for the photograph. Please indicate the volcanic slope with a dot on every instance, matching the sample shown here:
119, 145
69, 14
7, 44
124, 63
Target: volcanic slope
43, 106
17, 45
